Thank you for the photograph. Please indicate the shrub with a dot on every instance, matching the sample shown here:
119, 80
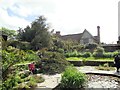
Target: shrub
72, 54
91, 47
38, 79
25, 74
107, 55
60, 50
78, 47
32, 83
98, 53
53, 62
116, 53
72, 78
31, 57
21, 67
105, 67
86, 54
67, 55
20, 45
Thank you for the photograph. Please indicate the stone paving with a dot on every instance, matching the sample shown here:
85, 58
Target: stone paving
51, 81
92, 69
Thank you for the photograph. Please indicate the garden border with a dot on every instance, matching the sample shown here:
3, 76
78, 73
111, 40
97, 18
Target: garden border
90, 63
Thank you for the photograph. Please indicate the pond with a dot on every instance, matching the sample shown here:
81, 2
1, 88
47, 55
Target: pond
102, 81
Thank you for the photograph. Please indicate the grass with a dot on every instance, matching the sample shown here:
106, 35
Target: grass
89, 59
105, 67
24, 63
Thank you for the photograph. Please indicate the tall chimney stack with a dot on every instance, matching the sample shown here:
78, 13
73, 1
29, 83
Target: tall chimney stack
118, 42
98, 34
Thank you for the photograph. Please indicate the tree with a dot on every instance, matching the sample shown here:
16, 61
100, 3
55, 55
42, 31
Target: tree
10, 33
38, 34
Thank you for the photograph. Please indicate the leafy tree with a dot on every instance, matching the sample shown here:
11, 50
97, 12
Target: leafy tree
10, 33
37, 34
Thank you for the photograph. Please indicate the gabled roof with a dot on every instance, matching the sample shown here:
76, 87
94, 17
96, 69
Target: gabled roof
75, 37
88, 33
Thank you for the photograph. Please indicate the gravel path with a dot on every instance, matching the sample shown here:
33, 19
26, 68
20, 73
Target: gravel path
96, 81
99, 81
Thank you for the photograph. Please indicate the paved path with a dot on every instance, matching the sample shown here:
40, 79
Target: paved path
92, 69
51, 81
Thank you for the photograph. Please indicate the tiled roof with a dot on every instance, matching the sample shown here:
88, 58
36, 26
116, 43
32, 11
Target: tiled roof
75, 37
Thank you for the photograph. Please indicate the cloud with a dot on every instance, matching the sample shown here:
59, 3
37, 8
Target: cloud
67, 16
19, 13
10, 21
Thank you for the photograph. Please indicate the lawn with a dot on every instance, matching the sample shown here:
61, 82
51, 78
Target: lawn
89, 59
24, 63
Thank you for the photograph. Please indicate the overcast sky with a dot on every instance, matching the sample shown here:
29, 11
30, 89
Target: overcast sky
67, 16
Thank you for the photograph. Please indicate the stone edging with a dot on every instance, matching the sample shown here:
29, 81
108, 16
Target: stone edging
105, 74
91, 63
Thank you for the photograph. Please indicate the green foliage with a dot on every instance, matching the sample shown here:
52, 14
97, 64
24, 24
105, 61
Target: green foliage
24, 74
105, 67
10, 33
10, 57
89, 59
11, 82
72, 78
21, 67
38, 34
20, 44
53, 62
91, 47
108, 55
78, 47
73, 54
98, 52
78, 54
116, 53
66, 45
60, 50
32, 82
38, 79
86, 55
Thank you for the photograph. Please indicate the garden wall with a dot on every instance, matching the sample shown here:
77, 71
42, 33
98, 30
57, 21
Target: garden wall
91, 63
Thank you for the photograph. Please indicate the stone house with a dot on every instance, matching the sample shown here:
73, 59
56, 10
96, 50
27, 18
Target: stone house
83, 38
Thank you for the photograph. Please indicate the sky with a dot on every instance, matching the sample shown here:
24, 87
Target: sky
66, 16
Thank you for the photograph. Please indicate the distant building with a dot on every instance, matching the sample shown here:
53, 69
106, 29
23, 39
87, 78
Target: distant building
82, 38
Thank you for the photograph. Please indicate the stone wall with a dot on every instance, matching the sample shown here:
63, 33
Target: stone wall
91, 63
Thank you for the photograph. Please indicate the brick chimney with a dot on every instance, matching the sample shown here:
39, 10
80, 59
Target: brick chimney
118, 42
98, 34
